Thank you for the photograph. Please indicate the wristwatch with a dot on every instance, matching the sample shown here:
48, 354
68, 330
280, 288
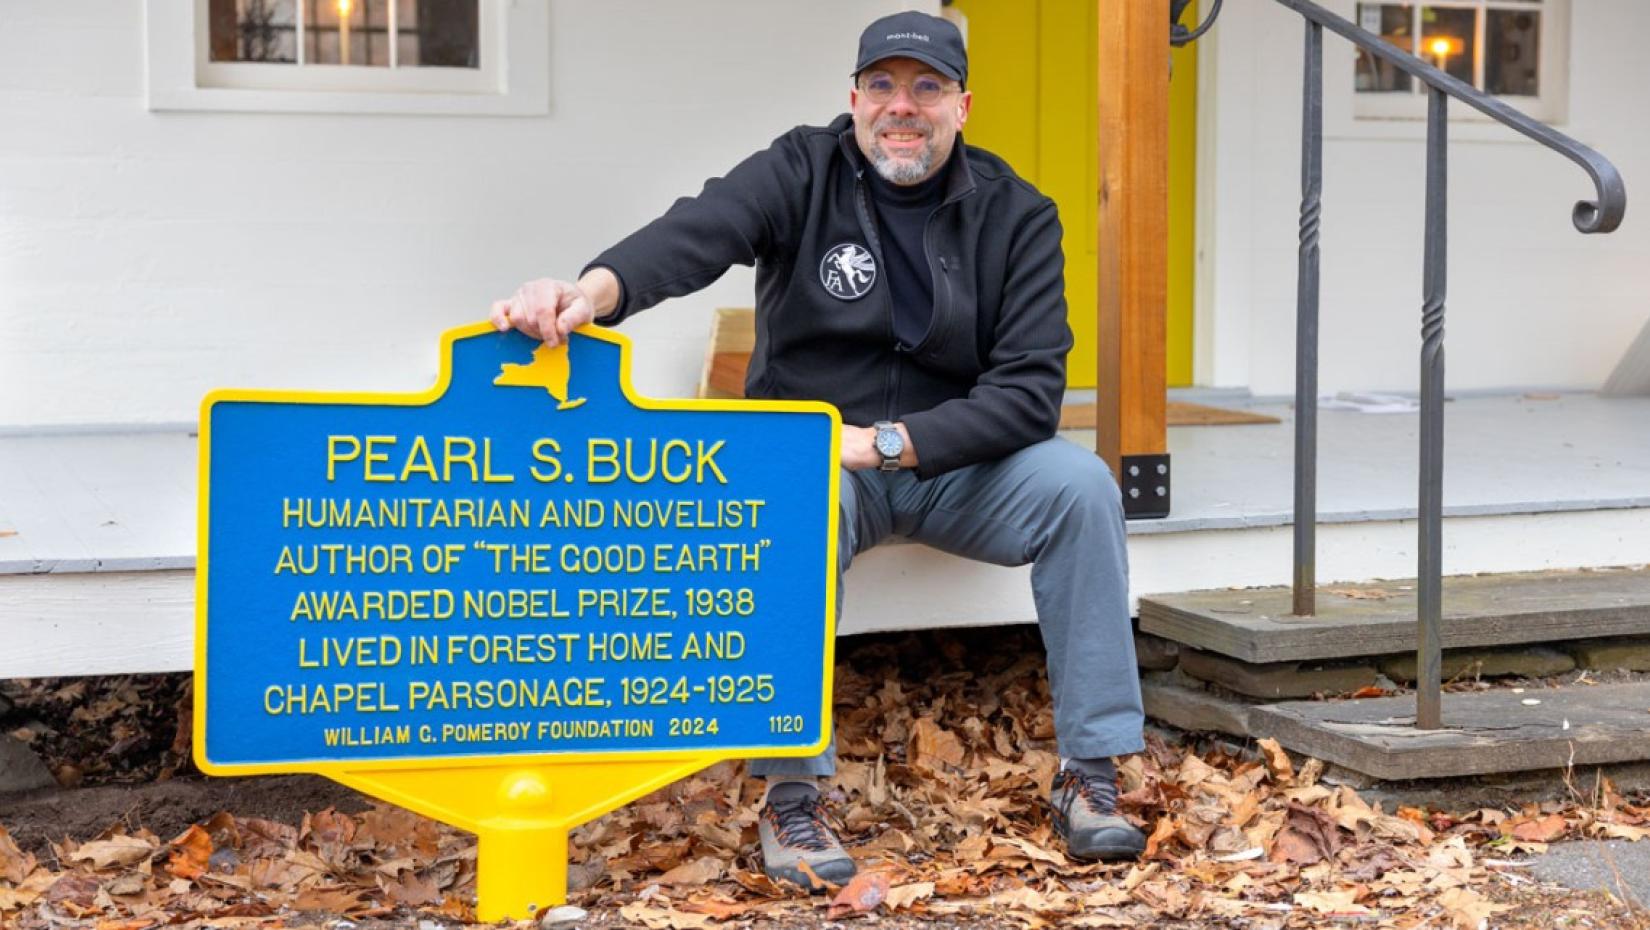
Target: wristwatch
890, 443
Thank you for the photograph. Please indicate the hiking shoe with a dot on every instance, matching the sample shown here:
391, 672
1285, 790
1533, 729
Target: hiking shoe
1085, 816
794, 831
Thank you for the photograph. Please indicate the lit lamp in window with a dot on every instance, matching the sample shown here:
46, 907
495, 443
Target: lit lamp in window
1441, 48
343, 30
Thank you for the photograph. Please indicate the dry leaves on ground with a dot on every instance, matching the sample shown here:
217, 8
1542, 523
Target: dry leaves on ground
947, 754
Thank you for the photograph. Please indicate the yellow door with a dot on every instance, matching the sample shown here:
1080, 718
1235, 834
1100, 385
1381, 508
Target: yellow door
1032, 70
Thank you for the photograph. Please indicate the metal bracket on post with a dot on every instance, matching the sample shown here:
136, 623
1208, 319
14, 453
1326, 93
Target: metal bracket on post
1146, 486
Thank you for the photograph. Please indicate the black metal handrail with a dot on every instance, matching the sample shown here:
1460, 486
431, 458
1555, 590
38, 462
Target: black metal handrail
1600, 215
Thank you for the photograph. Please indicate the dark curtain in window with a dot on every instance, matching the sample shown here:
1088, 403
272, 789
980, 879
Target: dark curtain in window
447, 31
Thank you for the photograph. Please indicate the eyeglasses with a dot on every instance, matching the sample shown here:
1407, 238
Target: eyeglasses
926, 89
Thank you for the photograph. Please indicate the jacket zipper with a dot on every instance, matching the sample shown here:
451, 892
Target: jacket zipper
863, 208
936, 277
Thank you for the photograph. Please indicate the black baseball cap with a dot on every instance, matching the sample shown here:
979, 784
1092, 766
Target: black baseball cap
928, 39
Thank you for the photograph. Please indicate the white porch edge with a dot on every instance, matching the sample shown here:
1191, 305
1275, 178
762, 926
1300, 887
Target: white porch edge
103, 622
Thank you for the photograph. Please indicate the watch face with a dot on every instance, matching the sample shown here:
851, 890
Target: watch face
889, 442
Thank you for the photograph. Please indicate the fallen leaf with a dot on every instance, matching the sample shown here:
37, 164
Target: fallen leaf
1361, 594
1277, 761
256, 833
1370, 866
901, 897
74, 890
863, 893
330, 831
1621, 831
1389, 827
759, 883
15, 865
1339, 903
411, 890
127, 884
1163, 896
662, 918
1023, 847
1543, 830
721, 910
933, 747
1099, 920
1469, 910
1199, 824
1308, 836
191, 852
700, 871
1030, 899
115, 851
329, 898
130, 923
1165, 828
11, 900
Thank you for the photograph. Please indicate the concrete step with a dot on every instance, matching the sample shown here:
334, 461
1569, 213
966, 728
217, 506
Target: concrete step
1485, 732
1379, 618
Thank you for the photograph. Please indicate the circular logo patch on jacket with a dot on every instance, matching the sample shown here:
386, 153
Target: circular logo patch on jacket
848, 271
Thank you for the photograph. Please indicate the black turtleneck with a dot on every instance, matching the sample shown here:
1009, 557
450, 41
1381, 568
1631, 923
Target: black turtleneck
902, 213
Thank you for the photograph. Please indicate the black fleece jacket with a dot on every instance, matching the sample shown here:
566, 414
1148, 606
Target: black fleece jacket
988, 377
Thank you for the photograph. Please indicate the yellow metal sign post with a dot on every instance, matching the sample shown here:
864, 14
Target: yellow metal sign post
518, 600
521, 816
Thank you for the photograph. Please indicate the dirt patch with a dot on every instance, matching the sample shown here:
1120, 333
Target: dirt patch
166, 808
119, 746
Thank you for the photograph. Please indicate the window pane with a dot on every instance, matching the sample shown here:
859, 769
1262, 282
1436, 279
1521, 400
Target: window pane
347, 32
1447, 40
1512, 53
1393, 22
253, 30
406, 33
445, 33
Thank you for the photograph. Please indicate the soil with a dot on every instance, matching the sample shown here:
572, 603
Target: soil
165, 808
119, 748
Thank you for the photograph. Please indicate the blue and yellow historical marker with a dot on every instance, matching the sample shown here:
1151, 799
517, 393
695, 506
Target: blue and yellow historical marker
518, 600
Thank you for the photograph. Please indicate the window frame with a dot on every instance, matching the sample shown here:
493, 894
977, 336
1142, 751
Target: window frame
513, 80
1551, 106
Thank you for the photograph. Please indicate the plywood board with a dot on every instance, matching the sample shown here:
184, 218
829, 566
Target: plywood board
1178, 413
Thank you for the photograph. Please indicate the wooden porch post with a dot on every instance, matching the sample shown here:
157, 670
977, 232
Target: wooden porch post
1133, 247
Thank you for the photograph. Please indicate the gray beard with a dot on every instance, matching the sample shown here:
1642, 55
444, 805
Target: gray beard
900, 171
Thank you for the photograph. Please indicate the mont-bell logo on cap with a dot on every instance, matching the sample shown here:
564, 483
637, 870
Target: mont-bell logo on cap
905, 35
848, 271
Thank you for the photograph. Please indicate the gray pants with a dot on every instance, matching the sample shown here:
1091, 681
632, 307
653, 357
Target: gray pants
1056, 506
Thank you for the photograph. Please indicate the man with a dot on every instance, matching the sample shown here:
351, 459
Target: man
916, 284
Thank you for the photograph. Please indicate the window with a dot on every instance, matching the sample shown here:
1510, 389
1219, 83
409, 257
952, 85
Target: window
1513, 49
423, 56
439, 33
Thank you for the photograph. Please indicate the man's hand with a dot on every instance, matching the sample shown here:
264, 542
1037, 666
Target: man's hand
549, 309
859, 448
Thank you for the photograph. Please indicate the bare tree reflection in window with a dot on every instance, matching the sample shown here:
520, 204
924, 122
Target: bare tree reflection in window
252, 30
1392, 22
